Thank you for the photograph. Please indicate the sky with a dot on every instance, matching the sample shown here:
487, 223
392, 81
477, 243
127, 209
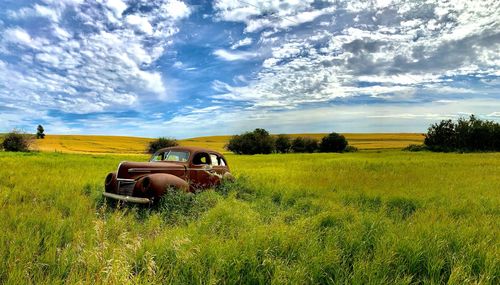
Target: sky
194, 68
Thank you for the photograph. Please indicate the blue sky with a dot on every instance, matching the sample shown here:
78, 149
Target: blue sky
193, 68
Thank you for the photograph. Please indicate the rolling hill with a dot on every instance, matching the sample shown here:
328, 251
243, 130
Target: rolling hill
137, 145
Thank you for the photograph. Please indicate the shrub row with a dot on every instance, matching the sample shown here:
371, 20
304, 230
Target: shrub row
260, 141
470, 134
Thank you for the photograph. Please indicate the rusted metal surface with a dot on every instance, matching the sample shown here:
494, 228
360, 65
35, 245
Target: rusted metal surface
187, 168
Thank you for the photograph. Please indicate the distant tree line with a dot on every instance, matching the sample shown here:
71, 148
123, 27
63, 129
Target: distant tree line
464, 135
260, 141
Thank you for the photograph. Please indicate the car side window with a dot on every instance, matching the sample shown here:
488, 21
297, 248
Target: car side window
215, 160
201, 158
222, 162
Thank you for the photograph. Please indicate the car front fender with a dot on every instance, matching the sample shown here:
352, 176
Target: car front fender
156, 184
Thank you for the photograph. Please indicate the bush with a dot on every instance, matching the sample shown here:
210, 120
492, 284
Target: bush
464, 135
350, 148
160, 143
17, 141
305, 144
415, 147
283, 144
258, 141
333, 143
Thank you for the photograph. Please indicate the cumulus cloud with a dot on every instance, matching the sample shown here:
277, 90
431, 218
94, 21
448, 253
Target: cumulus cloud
261, 14
391, 50
17, 36
289, 66
99, 58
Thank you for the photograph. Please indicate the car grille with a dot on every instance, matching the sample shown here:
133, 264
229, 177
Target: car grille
126, 187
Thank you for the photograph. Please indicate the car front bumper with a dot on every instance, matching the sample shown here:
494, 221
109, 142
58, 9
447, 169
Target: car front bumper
124, 198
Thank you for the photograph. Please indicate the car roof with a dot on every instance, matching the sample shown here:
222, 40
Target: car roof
191, 149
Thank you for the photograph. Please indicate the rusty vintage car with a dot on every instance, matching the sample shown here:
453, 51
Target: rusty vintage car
187, 168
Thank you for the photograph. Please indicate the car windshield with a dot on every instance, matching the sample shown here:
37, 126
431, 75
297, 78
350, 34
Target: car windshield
171, 155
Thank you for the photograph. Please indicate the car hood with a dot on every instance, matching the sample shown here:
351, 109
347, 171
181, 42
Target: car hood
132, 170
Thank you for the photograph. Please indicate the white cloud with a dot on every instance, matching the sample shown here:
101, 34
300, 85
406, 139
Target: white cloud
396, 50
175, 9
261, 14
44, 11
409, 57
243, 42
141, 23
234, 55
117, 6
86, 67
47, 58
61, 33
17, 35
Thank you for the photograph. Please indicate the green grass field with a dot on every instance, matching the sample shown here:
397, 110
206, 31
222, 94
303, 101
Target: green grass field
355, 218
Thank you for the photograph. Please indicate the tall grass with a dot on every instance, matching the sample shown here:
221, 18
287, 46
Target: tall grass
389, 217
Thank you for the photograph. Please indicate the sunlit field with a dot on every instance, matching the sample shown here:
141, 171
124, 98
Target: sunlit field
354, 218
135, 145
92, 144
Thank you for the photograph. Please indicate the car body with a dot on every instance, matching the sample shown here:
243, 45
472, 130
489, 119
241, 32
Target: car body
187, 168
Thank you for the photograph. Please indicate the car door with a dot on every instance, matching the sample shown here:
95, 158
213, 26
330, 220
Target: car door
200, 169
218, 165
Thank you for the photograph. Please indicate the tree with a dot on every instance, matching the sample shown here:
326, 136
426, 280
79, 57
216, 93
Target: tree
304, 144
470, 134
255, 142
39, 132
441, 136
283, 144
17, 141
333, 142
160, 143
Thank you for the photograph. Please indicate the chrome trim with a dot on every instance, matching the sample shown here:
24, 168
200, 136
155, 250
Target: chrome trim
138, 170
125, 179
153, 169
118, 169
127, 198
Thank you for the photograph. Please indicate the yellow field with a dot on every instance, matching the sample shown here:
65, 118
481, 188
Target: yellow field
92, 144
136, 145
